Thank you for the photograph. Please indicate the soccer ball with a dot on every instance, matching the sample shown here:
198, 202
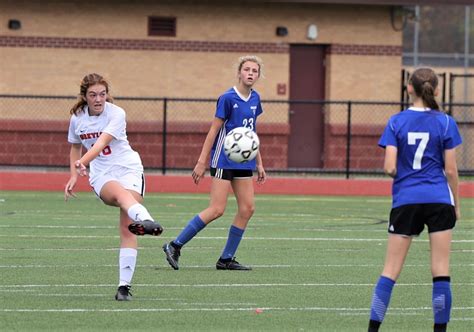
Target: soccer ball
241, 145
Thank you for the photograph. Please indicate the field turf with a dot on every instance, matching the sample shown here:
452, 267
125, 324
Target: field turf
315, 260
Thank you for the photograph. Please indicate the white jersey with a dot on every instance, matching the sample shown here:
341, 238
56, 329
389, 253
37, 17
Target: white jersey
86, 129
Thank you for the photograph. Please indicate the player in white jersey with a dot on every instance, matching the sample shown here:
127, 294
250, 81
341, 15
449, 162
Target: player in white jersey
237, 107
116, 171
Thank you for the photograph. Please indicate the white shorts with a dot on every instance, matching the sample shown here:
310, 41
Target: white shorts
129, 178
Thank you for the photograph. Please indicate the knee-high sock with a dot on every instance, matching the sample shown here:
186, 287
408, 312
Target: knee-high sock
138, 212
193, 227
233, 241
441, 299
127, 262
381, 298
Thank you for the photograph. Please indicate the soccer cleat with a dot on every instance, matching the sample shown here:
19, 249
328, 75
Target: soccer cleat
146, 227
123, 293
231, 265
172, 255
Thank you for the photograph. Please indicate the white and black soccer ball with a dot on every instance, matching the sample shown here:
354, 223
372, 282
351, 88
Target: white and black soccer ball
241, 145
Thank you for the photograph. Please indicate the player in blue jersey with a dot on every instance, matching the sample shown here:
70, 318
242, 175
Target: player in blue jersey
237, 107
420, 154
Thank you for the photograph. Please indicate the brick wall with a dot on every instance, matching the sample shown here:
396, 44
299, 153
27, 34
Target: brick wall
44, 143
365, 154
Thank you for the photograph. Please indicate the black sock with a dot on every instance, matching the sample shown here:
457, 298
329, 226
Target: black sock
440, 327
174, 245
374, 325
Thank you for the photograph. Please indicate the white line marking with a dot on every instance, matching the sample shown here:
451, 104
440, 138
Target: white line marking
267, 266
58, 226
227, 285
64, 249
223, 238
321, 309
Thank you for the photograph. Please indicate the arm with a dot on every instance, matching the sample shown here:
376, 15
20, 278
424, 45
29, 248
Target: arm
200, 168
74, 155
451, 170
81, 164
260, 170
390, 163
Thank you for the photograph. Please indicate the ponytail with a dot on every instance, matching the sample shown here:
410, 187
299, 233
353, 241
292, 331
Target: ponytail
427, 94
425, 82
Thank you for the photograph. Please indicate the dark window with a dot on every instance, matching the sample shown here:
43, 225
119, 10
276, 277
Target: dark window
161, 26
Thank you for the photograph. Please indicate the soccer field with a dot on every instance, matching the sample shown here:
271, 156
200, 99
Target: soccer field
315, 260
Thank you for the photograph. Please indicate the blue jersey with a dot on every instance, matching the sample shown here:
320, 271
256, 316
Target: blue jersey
236, 111
421, 136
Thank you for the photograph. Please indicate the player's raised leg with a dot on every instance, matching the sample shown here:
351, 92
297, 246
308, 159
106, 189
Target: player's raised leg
113, 193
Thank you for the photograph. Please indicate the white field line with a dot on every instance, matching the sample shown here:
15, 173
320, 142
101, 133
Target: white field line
179, 228
196, 248
160, 285
266, 266
200, 309
277, 198
224, 237
58, 226
258, 225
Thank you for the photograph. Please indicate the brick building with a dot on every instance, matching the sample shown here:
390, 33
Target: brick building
312, 50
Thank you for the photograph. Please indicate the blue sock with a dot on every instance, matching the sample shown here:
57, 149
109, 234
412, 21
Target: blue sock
381, 298
192, 228
441, 299
235, 235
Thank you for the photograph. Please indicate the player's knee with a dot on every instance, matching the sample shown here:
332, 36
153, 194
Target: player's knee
217, 212
247, 211
111, 200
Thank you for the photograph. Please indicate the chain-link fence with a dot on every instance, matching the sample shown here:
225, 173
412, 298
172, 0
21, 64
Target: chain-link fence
296, 136
461, 88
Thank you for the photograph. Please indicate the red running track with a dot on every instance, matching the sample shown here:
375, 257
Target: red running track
55, 181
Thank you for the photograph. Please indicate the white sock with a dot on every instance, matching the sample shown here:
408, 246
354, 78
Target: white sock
138, 212
127, 262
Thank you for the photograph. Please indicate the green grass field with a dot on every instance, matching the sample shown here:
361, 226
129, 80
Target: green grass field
315, 262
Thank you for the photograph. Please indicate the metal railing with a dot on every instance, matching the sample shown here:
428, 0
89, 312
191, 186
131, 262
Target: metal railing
169, 132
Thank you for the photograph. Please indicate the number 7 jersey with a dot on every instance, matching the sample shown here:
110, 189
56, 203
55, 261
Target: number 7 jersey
86, 129
421, 136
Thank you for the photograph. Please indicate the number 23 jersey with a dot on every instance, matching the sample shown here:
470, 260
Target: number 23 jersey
421, 136
86, 129
236, 111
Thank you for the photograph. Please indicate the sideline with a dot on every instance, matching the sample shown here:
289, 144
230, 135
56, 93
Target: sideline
157, 183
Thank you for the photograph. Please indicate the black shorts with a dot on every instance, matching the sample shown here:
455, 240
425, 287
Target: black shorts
231, 174
410, 220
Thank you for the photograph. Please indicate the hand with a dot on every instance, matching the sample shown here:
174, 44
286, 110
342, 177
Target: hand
81, 168
198, 172
69, 187
262, 176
